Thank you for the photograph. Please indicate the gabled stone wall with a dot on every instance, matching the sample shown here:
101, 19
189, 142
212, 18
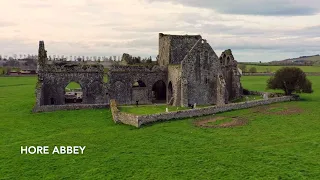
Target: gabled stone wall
199, 75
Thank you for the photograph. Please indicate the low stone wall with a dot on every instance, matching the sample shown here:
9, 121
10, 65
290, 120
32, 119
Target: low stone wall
121, 117
145, 119
270, 94
48, 108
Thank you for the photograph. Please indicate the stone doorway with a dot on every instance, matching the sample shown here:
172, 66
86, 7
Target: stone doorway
159, 93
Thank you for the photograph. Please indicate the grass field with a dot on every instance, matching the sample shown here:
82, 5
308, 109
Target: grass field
149, 109
268, 147
275, 68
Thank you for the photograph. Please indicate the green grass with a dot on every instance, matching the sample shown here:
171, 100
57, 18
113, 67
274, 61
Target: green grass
268, 147
105, 78
275, 68
149, 109
73, 85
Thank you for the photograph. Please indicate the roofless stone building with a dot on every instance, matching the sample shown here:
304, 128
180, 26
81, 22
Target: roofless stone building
188, 72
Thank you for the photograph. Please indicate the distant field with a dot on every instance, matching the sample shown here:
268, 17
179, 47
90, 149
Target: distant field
275, 68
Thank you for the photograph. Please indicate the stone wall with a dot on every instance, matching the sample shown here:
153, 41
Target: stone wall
48, 108
121, 117
53, 79
200, 69
231, 75
174, 77
164, 49
145, 119
122, 78
140, 94
173, 48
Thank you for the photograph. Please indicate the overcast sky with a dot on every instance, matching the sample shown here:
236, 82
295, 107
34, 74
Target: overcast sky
255, 30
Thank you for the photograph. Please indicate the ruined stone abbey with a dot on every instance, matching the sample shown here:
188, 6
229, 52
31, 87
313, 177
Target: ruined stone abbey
188, 72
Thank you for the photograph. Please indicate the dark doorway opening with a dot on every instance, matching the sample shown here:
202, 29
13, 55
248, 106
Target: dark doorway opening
52, 101
159, 93
170, 93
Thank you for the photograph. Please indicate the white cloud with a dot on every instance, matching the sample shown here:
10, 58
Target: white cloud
112, 27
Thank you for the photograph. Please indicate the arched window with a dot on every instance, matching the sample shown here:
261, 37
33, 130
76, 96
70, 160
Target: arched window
221, 62
139, 83
228, 60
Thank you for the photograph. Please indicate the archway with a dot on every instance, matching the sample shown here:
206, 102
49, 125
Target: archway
138, 83
159, 92
73, 93
170, 93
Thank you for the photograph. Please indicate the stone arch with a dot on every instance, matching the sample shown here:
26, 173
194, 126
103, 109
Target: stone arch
159, 91
139, 83
170, 93
228, 60
73, 93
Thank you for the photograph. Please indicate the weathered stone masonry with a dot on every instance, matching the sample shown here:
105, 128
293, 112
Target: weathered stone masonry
188, 72
53, 79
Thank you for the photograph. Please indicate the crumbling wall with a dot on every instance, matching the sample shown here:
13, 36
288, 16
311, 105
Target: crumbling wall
173, 48
231, 75
122, 78
174, 76
53, 79
122, 117
164, 49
